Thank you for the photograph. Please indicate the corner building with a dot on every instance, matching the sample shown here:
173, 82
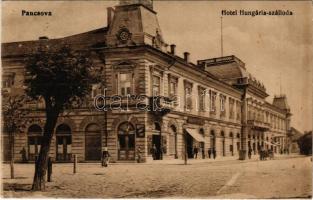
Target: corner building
214, 104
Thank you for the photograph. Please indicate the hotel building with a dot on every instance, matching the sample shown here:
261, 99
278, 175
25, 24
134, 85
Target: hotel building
212, 104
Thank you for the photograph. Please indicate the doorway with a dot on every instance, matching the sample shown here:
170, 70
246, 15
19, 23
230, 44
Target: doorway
156, 141
92, 142
189, 141
126, 141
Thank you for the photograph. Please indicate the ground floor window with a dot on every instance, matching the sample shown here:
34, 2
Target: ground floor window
63, 143
34, 141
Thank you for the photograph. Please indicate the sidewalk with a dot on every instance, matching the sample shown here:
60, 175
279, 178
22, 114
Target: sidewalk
218, 159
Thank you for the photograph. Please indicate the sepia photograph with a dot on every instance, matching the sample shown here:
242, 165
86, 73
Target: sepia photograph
156, 99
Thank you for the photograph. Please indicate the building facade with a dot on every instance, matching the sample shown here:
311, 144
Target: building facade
156, 100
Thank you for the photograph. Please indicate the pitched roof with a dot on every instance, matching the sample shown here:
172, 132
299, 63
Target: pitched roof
93, 38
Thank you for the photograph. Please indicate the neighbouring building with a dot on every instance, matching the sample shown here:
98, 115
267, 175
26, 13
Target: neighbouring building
294, 139
213, 104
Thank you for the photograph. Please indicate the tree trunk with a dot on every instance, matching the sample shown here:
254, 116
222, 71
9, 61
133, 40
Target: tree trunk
41, 163
12, 155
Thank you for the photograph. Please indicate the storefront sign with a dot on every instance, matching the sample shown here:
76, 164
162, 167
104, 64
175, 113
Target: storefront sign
195, 120
140, 130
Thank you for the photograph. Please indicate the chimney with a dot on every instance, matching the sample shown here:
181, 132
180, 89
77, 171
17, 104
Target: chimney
186, 56
110, 14
173, 46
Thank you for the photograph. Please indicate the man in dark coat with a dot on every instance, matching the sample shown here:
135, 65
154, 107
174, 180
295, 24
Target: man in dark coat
209, 152
249, 153
214, 153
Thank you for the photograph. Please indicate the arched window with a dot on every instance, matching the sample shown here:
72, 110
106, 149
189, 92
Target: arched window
126, 141
238, 135
201, 131
63, 143
34, 129
157, 126
222, 134
34, 141
93, 142
63, 129
231, 135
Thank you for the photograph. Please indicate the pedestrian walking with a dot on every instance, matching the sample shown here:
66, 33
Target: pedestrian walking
23, 153
209, 152
138, 152
195, 152
214, 153
105, 157
203, 153
249, 153
153, 152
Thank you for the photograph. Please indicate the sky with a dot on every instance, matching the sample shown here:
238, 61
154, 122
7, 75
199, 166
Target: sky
277, 50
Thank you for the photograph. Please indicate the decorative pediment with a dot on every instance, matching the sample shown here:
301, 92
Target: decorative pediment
126, 64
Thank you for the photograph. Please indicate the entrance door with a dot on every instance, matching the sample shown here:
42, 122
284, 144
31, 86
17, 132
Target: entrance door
189, 146
156, 141
93, 142
126, 141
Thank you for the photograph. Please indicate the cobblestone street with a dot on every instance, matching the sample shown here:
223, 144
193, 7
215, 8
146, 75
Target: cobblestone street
280, 178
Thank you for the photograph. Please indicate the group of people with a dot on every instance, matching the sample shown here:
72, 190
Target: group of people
266, 153
263, 153
211, 152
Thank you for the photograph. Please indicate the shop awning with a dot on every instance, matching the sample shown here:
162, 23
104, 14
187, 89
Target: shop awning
195, 134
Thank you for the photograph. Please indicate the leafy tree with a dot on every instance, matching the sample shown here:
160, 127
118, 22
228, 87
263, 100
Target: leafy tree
59, 76
305, 143
12, 112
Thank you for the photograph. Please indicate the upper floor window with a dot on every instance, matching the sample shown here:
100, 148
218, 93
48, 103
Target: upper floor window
222, 105
231, 108
188, 96
125, 83
156, 85
212, 101
173, 88
238, 110
201, 94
